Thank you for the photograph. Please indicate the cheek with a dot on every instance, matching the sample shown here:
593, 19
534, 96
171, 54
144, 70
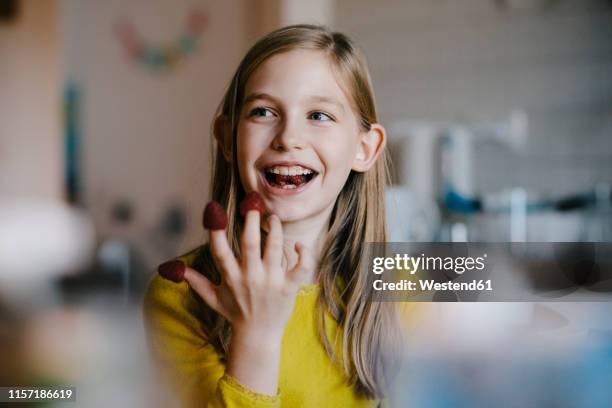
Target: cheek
339, 149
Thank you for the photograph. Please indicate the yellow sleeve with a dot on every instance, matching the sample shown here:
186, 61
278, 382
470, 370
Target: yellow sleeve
179, 346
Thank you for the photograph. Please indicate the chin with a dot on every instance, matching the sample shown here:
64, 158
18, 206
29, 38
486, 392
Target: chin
289, 214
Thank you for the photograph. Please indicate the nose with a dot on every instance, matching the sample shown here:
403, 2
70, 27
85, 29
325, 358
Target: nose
289, 137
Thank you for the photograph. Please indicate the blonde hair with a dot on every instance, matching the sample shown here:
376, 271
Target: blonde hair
369, 328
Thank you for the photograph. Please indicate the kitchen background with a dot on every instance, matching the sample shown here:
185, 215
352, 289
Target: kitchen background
499, 115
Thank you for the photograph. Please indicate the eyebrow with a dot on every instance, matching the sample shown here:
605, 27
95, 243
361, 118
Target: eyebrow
326, 99
258, 95
315, 98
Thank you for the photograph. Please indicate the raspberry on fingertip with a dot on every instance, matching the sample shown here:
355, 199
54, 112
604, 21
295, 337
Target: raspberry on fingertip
172, 270
252, 201
215, 217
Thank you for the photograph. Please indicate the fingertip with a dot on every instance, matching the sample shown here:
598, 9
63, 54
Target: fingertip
306, 258
189, 275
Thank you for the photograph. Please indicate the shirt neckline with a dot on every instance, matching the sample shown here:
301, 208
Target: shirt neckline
307, 289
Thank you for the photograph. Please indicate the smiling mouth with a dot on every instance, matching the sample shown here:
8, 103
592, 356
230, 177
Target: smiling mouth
289, 177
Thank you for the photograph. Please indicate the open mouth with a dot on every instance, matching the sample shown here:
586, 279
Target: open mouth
289, 177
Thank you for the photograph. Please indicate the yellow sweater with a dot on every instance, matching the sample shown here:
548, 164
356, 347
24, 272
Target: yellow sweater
308, 378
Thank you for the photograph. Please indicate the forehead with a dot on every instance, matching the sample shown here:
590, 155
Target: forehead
297, 75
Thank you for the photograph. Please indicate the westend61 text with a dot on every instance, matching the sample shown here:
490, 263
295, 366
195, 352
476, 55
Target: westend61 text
429, 284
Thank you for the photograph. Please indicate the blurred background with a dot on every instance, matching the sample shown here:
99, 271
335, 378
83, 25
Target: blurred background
499, 115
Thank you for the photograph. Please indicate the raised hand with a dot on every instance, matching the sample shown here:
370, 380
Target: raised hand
256, 294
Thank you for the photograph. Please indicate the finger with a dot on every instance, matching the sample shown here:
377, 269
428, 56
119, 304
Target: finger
273, 253
305, 265
251, 239
206, 289
224, 256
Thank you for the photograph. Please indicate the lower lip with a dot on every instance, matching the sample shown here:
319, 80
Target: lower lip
284, 191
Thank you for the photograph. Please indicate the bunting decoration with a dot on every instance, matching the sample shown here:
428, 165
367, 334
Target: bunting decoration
158, 57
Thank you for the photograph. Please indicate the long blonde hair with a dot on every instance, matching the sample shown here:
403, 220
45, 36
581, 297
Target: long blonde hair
369, 328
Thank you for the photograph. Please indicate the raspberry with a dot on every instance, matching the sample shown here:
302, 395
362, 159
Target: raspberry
297, 180
252, 201
215, 217
172, 270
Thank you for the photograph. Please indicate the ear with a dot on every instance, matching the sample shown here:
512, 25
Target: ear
370, 146
223, 135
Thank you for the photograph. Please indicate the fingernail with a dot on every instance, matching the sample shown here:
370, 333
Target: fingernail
215, 217
252, 201
172, 270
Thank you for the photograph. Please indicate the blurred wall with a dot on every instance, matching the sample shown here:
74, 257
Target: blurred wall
311, 11
477, 60
30, 104
146, 134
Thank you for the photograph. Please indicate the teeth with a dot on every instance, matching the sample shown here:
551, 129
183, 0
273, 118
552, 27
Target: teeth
289, 171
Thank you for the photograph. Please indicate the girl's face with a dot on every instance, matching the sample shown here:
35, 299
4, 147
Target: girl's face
298, 135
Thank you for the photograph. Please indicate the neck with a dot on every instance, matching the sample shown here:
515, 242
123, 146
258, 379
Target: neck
311, 233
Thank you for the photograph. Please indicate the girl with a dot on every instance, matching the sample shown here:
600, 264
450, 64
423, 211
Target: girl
277, 311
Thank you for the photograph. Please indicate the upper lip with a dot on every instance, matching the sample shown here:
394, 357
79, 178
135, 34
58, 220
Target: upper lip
268, 165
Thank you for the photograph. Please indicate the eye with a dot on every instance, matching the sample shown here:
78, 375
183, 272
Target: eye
261, 112
320, 116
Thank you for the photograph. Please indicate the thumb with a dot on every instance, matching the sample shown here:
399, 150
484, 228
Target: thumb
205, 288
305, 264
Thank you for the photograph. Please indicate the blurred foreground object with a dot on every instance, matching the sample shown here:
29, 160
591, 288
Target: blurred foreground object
39, 241
507, 355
